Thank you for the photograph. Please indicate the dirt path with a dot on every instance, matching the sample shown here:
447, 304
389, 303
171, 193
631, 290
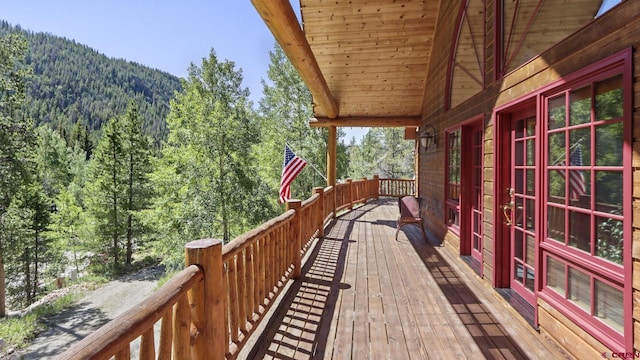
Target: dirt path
93, 310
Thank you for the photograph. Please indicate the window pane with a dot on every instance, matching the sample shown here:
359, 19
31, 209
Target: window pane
519, 129
555, 275
531, 252
609, 305
531, 126
609, 244
580, 106
556, 186
519, 155
556, 223
580, 147
518, 271
580, 188
518, 248
579, 287
452, 217
557, 112
531, 188
519, 212
530, 280
557, 149
530, 214
609, 191
531, 155
519, 174
579, 231
609, 141
609, 98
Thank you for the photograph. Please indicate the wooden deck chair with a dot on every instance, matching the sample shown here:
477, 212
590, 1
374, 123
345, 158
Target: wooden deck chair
410, 213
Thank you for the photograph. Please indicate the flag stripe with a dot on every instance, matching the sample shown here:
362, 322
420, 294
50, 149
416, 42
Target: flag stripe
577, 184
291, 168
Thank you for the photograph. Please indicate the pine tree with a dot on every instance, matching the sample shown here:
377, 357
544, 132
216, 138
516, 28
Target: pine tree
16, 139
105, 188
138, 167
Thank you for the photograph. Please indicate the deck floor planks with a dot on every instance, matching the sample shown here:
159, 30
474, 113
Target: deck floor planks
343, 322
401, 345
368, 296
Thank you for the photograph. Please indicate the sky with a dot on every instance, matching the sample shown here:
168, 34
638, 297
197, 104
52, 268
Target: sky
167, 35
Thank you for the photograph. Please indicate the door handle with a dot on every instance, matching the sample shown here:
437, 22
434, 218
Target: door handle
507, 209
507, 212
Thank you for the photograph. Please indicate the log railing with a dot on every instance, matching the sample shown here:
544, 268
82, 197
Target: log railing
210, 309
397, 187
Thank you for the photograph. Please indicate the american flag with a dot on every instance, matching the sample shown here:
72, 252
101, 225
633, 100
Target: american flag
292, 167
577, 185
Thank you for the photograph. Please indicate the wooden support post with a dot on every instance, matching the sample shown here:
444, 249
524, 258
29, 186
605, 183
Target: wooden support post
320, 191
376, 179
332, 142
295, 237
208, 304
350, 192
331, 156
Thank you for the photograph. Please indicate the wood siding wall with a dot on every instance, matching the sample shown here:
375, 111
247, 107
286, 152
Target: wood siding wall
613, 32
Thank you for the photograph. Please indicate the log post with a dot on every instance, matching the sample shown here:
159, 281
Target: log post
376, 183
208, 309
295, 237
320, 191
350, 192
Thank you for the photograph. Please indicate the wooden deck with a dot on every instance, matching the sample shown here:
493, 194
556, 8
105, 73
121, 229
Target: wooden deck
365, 295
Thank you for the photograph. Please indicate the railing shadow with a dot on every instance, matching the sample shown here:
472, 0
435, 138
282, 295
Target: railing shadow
490, 336
300, 327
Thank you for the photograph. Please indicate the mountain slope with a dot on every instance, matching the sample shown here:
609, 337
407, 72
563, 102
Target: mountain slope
73, 83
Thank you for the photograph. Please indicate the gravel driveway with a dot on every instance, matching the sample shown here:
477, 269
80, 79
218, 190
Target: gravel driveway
92, 311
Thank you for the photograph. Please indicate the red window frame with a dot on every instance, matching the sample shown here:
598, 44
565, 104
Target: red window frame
585, 262
453, 142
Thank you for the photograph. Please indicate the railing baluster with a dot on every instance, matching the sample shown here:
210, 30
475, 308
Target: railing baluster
124, 353
242, 290
250, 282
262, 272
295, 237
233, 299
166, 334
147, 345
181, 328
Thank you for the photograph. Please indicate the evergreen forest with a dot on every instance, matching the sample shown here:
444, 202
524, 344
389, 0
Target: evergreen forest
106, 164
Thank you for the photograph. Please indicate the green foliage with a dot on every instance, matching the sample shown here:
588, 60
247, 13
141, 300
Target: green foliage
383, 152
16, 140
285, 110
74, 84
206, 176
17, 331
118, 187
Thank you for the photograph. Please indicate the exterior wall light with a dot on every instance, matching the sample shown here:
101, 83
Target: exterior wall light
427, 137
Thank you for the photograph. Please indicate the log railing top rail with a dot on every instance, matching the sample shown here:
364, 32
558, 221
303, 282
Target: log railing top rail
209, 309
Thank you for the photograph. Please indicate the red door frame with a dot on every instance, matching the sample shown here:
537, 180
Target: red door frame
502, 179
466, 162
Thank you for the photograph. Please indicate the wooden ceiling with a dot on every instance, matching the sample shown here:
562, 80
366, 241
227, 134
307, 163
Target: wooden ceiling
365, 61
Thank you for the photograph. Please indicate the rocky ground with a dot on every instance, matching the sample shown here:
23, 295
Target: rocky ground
93, 310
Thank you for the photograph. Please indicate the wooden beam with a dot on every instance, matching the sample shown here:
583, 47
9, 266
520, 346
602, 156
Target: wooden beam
283, 23
410, 133
392, 121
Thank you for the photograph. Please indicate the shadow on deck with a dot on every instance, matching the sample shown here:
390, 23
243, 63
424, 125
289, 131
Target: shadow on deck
365, 295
